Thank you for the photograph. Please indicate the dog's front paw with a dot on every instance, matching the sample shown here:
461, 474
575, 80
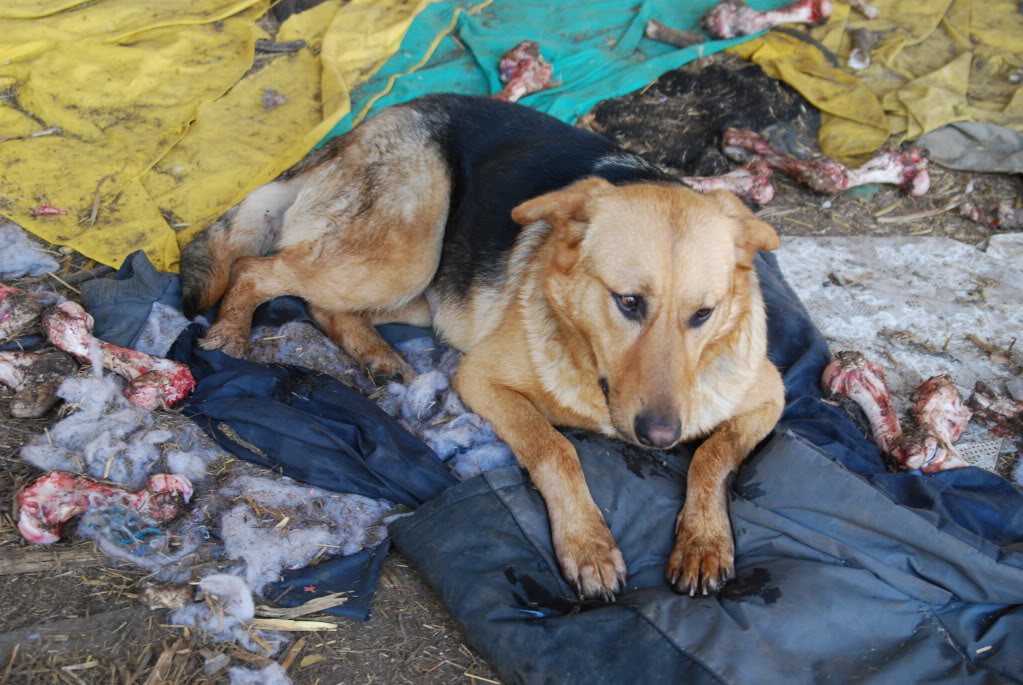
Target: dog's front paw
589, 557
227, 340
703, 559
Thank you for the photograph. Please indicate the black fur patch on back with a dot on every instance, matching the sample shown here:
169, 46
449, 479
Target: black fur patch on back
501, 154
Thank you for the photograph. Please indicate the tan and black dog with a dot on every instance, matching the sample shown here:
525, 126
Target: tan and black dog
586, 288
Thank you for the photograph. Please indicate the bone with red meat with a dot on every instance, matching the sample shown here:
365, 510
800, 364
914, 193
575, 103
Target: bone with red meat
523, 71
994, 214
1005, 412
752, 182
733, 18
152, 382
904, 167
18, 309
34, 377
59, 496
939, 416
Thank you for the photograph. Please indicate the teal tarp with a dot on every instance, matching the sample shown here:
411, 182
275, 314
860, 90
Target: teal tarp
597, 48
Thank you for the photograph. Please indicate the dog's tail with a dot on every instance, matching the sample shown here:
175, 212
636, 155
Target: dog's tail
206, 261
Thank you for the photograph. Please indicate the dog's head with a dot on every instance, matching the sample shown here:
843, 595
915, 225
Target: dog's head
655, 279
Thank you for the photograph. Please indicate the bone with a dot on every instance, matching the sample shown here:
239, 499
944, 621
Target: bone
863, 41
734, 18
941, 418
752, 182
939, 414
34, 378
1005, 412
663, 33
47, 210
854, 376
152, 382
18, 310
523, 71
994, 214
59, 496
904, 167
865, 8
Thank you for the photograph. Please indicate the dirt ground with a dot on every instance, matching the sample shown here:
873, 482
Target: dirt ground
67, 615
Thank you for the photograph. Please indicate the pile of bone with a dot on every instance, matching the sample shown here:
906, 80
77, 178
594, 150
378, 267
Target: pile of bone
153, 382
937, 419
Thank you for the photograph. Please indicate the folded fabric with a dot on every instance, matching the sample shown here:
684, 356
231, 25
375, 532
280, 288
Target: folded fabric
308, 426
120, 306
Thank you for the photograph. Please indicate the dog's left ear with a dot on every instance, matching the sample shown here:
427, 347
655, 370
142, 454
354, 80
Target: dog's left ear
753, 234
566, 211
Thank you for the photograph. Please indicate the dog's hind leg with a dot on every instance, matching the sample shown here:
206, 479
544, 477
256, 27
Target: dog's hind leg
254, 280
247, 230
356, 336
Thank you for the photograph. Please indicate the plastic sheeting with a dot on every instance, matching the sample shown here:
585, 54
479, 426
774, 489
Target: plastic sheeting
161, 119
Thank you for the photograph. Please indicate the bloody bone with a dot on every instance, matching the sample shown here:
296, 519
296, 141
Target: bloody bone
34, 377
861, 380
18, 309
47, 210
993, 213
47, 504
663, 33
939, 414
523, 71
733, 18
752, 182
941, 418
863, 41
905, 167
865, 8
152, 381
989, 405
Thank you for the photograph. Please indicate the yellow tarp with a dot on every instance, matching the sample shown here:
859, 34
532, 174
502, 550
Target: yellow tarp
936, 62
160, 110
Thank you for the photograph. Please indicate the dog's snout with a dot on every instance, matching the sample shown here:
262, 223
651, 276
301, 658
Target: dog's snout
657, 431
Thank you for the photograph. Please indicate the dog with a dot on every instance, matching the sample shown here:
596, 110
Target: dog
586, 288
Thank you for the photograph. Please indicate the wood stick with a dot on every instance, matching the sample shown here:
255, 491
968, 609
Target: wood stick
15, 561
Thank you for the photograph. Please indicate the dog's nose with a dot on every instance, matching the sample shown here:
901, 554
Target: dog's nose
657, 431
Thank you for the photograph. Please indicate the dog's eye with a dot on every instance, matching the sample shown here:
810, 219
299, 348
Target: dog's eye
700, 316
633, 307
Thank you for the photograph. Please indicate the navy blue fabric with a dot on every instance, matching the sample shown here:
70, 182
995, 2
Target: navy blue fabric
23, 344
315, 429
845, 572
121, 305
309, 426
355, 574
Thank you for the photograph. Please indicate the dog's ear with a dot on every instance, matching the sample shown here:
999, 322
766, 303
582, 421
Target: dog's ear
753, 234
566, 211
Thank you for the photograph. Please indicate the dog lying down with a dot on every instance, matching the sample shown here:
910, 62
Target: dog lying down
586, 288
